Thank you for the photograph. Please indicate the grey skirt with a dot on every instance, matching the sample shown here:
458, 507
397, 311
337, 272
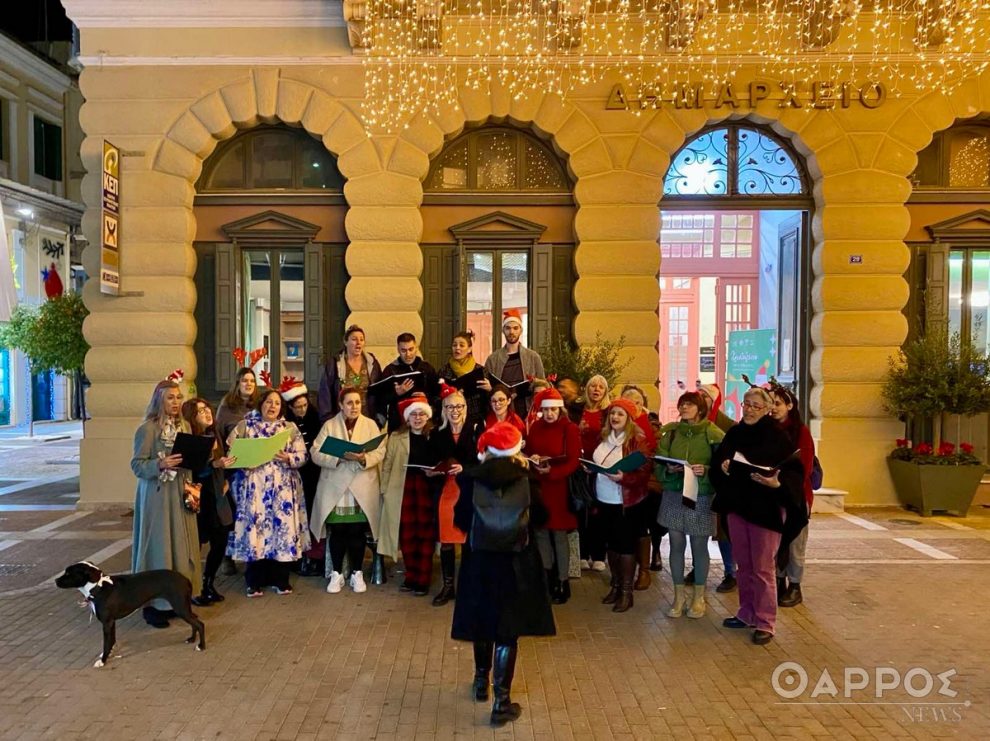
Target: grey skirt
675, 516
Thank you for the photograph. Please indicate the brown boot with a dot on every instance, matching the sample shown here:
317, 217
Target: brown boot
613, 565
627, 570
643, 562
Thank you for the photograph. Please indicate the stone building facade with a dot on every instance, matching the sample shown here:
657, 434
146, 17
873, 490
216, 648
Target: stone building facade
168, 87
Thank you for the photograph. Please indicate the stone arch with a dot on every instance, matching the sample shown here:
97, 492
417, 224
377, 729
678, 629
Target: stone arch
615, 214
160, 227
856, 309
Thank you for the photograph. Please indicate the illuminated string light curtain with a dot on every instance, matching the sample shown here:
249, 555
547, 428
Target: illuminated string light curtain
417, 52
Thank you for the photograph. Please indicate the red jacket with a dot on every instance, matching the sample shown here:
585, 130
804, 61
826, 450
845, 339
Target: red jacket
807, 444
635, 484
562, 442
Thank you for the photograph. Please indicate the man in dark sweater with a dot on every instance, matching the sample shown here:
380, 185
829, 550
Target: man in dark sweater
390, 392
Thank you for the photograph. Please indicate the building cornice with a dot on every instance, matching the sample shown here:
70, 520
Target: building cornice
16, 56
205, 13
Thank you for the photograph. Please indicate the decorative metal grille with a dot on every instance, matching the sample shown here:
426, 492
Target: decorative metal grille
733, 161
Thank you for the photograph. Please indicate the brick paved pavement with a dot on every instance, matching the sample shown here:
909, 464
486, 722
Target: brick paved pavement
381, 665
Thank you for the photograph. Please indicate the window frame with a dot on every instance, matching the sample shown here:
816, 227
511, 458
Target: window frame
246, 193
942, 192
732, 198
469, 194
38, 124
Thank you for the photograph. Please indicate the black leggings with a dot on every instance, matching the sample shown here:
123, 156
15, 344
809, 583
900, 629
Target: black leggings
218, 545
265, 573
656, 530
350, 538
623, 526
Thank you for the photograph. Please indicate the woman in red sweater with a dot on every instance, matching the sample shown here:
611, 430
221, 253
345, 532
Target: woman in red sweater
785, 411
554, 446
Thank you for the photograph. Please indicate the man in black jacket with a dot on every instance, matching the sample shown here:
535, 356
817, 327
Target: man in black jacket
389, 393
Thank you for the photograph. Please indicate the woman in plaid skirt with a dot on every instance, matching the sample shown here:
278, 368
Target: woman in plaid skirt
408, 518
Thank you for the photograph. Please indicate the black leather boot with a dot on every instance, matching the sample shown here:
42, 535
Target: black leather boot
310, 567
203, 599
613, 565
378, 575
553, 584
563, 592
482, 669
627, 571
503, 709
446, 593
209, 590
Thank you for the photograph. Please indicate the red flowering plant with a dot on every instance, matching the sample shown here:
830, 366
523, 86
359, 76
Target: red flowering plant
937, 381
924, 454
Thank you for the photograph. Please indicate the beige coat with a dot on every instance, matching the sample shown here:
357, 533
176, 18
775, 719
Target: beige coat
338, 476
393, 481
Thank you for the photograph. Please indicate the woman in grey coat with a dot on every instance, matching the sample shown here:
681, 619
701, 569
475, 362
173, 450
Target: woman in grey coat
165, 535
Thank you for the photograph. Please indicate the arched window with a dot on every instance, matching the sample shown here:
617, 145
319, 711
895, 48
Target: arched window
734, 161
497, 159
735, 265
271, 159
957, 158
498, 214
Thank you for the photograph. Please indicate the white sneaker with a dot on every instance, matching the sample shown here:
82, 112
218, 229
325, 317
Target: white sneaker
598, 566
357, 582
336, 583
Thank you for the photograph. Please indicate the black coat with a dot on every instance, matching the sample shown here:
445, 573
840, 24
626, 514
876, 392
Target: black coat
386, 400
309, 427
476, 398
766, 444
501, 590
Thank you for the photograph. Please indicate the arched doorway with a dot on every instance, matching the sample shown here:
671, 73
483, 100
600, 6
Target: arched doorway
498, 218
270, 242
735, 265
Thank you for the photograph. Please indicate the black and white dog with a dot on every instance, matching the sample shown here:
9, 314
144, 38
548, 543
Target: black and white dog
112, 598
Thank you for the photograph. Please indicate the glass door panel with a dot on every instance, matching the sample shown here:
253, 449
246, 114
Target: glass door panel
957, 262
480, 301
257, 304
979, 299
290, 305
515, 289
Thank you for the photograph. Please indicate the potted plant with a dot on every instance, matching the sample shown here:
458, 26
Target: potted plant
933, 376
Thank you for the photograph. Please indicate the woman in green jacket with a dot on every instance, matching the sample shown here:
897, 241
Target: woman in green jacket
693, 439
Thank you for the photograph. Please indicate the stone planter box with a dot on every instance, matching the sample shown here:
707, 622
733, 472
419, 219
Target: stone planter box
929, 489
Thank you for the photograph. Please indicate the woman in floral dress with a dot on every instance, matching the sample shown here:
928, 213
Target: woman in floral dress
270, 530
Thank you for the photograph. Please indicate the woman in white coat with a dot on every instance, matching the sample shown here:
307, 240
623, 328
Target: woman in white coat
348, 499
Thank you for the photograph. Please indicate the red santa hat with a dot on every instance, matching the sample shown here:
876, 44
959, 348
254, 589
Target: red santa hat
548, 397
512, 316
178, 375
446, 390
414, 402
501, 440
292, 388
